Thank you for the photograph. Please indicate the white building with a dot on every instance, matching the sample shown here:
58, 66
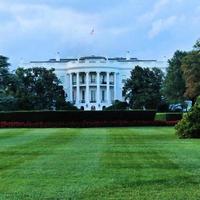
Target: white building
94, 82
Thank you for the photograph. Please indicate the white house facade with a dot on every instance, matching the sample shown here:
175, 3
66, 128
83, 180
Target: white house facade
94, 82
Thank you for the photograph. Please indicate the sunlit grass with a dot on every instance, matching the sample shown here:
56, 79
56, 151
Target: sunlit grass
104, 163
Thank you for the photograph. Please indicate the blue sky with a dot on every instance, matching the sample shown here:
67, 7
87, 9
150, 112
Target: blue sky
149, 29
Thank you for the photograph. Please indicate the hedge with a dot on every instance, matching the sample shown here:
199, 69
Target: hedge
168, 116
77, 116
85, 124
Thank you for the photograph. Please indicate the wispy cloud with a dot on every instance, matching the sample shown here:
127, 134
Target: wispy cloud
152, 13
161, 25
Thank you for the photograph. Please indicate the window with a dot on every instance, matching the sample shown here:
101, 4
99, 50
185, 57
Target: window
103, 79
112, 79
83, 96
74, 79
82, 79
124, 78
74, 96
103, 95
93, 96
62, 79
93, 78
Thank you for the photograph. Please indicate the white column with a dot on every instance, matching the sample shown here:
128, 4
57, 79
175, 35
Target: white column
115, 86
108, 87
70, 87
77, 89
98, 87
87, 88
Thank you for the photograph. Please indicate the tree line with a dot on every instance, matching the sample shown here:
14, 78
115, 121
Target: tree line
40, 89
152, 89
31, 89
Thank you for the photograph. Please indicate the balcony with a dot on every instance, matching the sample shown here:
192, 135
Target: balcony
82, 101
93, 101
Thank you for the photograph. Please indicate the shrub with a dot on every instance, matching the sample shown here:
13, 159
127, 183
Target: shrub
118, 105
189, 126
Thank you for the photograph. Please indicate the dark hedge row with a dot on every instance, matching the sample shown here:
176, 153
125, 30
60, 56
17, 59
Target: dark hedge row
77, 116
85, 124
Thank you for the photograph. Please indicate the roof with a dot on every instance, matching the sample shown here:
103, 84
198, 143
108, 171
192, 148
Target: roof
93, 58
118, 59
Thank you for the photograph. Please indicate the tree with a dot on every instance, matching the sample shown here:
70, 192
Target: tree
7, 101
38, 89
118, 105
4, 74
174, 84
197, 45
191, 70
142, 89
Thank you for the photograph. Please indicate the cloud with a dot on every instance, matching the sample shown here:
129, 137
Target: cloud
157, 8
36, 29
161, 25
32, 18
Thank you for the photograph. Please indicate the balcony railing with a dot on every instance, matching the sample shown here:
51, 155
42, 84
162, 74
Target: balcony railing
93, 101
93, 82
103, 82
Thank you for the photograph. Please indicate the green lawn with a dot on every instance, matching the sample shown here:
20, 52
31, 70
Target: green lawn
106, 163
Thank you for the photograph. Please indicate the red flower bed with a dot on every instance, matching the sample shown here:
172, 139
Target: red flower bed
84, 124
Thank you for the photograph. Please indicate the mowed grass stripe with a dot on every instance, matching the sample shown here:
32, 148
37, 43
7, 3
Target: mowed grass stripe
137, 161
11, 138
69, 164
106, 163
34, 144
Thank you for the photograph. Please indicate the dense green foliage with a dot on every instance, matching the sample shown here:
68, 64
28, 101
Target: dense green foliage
39, 89
142, 89
118, 105
174, 83
107, 163
31, 89
191, 71
7, 101
189, 126
183, 78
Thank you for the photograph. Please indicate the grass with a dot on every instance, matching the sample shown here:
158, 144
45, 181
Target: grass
106, 163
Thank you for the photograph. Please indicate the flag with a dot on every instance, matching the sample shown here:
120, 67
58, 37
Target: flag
92, 32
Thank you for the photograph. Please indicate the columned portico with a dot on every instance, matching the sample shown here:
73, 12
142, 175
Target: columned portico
92, 90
